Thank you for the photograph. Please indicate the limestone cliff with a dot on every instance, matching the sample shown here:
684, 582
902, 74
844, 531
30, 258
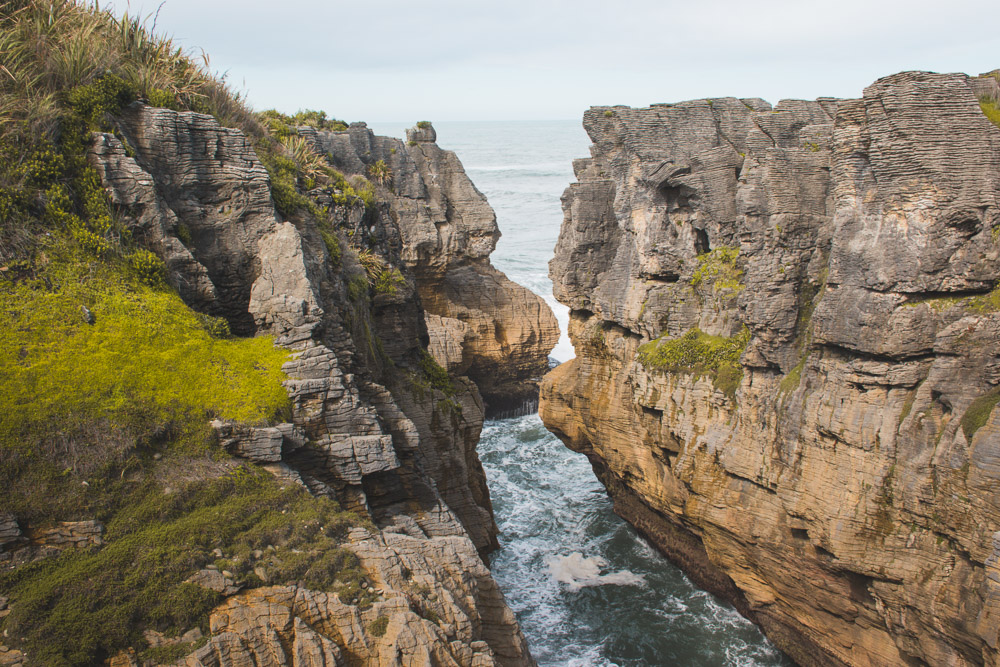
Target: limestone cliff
789, 356
367, 427
480, 323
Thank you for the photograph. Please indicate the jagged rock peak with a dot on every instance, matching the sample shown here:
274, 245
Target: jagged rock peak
480, 323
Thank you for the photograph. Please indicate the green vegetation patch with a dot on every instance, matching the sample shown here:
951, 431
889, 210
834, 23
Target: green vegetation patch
382, 278
698, 353
978, 413
991, 110
284, 125
81, 607
719, 267
791, 381
378, 627
435, 375
81, 342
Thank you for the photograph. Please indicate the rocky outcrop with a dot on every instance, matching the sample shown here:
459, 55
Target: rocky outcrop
480, 323
788, 358
423, 616
367, 426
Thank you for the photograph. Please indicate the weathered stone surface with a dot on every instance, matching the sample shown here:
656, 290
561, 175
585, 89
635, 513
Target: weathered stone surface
75, 534
418, 579
835, 498
480, 323
11, 657
214, 580
201, 199
447, 341
10, 532
364, 428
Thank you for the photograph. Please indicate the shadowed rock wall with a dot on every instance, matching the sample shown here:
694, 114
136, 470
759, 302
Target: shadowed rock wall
366, 428
480, 323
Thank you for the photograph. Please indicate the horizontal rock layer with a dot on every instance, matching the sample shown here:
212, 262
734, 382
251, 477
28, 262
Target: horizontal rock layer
839, 484
480, 323
365, 429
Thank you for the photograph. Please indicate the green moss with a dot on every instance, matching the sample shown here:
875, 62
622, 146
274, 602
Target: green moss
978, 412
388, 281
719, 267
987, 303
378, 627
609, 113
357, 287
884, 523
82, 606
991, 110
698, 353
908, 404
184, 233
791, 381
145, 356
435, 375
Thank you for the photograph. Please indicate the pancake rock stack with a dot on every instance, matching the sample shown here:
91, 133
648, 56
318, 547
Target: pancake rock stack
364, 429
788, 348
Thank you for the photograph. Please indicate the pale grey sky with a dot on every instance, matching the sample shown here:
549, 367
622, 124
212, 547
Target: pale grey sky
389, 60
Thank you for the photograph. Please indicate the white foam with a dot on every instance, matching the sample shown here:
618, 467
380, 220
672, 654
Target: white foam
578, 572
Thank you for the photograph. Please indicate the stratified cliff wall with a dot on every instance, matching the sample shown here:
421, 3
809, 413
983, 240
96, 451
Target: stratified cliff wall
480, 323
371, 426
789, 354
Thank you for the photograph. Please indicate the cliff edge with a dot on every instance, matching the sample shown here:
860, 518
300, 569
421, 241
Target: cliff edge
224, 441
789, 356
480, 323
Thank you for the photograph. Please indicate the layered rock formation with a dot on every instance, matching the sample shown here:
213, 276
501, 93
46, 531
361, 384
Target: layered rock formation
368, 427
788, 358
480, 323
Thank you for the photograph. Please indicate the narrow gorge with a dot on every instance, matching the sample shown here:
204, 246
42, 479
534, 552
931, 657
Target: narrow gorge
786, 328
247, 359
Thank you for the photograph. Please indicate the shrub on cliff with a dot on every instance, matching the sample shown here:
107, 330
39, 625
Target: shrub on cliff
698, 353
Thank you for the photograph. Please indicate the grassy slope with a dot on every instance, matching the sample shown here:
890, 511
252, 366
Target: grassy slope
108, 380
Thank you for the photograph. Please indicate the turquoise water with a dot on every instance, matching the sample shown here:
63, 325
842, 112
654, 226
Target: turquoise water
585, 587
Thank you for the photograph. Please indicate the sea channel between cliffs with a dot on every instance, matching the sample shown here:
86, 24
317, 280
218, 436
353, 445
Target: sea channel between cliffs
248, 358
587, 589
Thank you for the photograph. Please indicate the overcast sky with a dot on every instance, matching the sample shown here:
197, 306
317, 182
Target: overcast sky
407, 60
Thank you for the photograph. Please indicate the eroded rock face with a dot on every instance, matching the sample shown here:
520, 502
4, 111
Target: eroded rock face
424, 616
480, 323
842, 492
384, 444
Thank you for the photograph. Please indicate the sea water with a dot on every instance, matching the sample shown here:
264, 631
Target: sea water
586, 588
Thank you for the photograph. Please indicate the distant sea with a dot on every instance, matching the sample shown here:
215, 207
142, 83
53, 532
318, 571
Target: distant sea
585, 587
